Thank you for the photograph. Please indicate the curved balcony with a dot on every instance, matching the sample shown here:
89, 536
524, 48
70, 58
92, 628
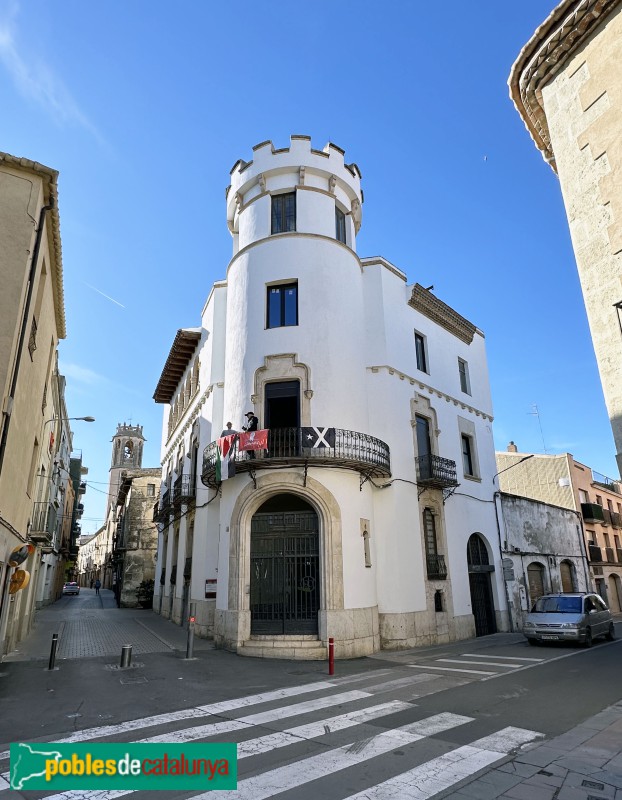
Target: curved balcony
286, 447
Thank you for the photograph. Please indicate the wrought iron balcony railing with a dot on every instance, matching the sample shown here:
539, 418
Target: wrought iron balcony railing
436, 472
607, 516
619, 555
595, 553
609, 554
616, 520
290, 447
43, 522
592, 512
436, 567
163, 509
183, 490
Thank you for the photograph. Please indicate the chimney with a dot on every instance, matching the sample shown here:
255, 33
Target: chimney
512, 448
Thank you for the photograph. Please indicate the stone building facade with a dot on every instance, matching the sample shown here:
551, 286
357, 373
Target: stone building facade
32, 320
368, 514
135, 541
543, 551
595, 501
567, 86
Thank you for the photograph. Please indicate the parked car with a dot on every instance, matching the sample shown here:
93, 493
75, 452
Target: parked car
71, 587
569, 617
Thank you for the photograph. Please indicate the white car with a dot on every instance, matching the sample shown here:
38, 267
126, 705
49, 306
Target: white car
568, 617
71, 587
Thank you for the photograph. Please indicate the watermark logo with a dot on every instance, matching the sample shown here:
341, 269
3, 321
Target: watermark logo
123, 766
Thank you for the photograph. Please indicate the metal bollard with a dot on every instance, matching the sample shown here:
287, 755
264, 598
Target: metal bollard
331, 656
53, 651
191, 621
126, 656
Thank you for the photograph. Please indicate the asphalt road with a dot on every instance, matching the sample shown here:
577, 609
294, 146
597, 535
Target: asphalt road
472, 691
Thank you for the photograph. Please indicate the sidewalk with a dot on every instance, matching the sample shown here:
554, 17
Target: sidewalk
585, 763
99, 628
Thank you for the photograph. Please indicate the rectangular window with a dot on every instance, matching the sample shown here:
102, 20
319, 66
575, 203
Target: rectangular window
467, 455
463, 369
284, 212
151, 490
340, 225
420, 352
282, 305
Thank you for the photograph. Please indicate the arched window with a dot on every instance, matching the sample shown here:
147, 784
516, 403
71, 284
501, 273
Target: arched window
477, 553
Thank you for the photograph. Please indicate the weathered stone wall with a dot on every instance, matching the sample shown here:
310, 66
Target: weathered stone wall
583, 106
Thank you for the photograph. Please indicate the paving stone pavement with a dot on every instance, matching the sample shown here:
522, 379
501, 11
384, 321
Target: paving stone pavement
96, 627
584, 763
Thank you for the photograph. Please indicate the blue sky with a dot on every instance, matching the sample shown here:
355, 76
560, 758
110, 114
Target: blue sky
144, 107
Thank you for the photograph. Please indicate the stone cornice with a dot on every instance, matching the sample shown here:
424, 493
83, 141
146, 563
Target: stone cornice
546, 54
431, 390
426, 303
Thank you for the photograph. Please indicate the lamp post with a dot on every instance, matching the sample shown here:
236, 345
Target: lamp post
516, 463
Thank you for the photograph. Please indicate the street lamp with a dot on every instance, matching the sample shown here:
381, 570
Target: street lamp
515, 464
56, 419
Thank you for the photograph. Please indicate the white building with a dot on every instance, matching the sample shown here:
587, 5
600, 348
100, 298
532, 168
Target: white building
380, 529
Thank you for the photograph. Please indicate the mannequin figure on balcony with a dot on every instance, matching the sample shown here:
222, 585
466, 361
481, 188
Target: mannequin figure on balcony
252, 424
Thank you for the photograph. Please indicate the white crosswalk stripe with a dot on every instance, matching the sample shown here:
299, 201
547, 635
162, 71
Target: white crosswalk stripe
443, 772
310, 769
344, 740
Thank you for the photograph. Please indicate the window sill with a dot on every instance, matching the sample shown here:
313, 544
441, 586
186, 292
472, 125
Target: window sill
475, 478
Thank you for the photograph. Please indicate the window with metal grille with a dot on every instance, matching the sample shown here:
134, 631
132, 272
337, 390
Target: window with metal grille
282, 308
284, 212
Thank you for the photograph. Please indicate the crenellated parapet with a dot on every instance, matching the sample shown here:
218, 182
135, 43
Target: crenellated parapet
299, 167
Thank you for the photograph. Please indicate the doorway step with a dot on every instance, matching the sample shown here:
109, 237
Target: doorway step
305, 648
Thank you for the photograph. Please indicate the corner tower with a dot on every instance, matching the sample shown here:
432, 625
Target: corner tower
294, 288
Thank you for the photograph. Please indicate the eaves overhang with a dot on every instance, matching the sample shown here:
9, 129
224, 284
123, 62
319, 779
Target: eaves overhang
545, 55
49, 178
181, 352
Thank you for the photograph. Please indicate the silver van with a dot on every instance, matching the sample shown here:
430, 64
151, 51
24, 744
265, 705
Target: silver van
568, 617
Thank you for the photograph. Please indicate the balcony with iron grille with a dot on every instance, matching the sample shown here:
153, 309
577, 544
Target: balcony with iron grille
592, 512
286, 447
609, 555
595, 554
163, 510
436, 567
184, 490
42, 523
616, 520
434, 472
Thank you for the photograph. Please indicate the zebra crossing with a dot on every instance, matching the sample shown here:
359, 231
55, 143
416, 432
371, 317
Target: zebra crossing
352, 743
476, 665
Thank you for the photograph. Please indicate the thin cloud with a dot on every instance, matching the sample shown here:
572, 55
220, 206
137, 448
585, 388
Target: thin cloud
82, 374
107, 296
34, 79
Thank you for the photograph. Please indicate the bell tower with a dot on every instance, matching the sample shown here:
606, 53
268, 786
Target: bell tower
127, 453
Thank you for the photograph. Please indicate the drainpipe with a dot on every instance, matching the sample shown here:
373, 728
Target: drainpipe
22, 333
505, 583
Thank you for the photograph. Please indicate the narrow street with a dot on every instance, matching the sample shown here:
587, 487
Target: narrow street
474, 719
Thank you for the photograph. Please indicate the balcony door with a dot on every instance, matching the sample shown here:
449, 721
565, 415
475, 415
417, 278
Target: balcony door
282, 418
285, 579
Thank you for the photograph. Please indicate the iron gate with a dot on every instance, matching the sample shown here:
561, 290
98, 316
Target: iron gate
284, 581
481, 602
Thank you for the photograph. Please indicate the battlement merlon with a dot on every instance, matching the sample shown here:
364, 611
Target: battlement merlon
318, 169
130, 430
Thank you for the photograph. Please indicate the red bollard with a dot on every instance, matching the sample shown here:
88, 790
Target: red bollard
331, 656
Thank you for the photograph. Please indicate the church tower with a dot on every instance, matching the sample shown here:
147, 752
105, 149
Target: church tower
127, 453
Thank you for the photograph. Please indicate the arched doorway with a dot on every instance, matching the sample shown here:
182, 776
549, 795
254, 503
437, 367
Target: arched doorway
535, 580
284, 567
566, 573
479, 583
